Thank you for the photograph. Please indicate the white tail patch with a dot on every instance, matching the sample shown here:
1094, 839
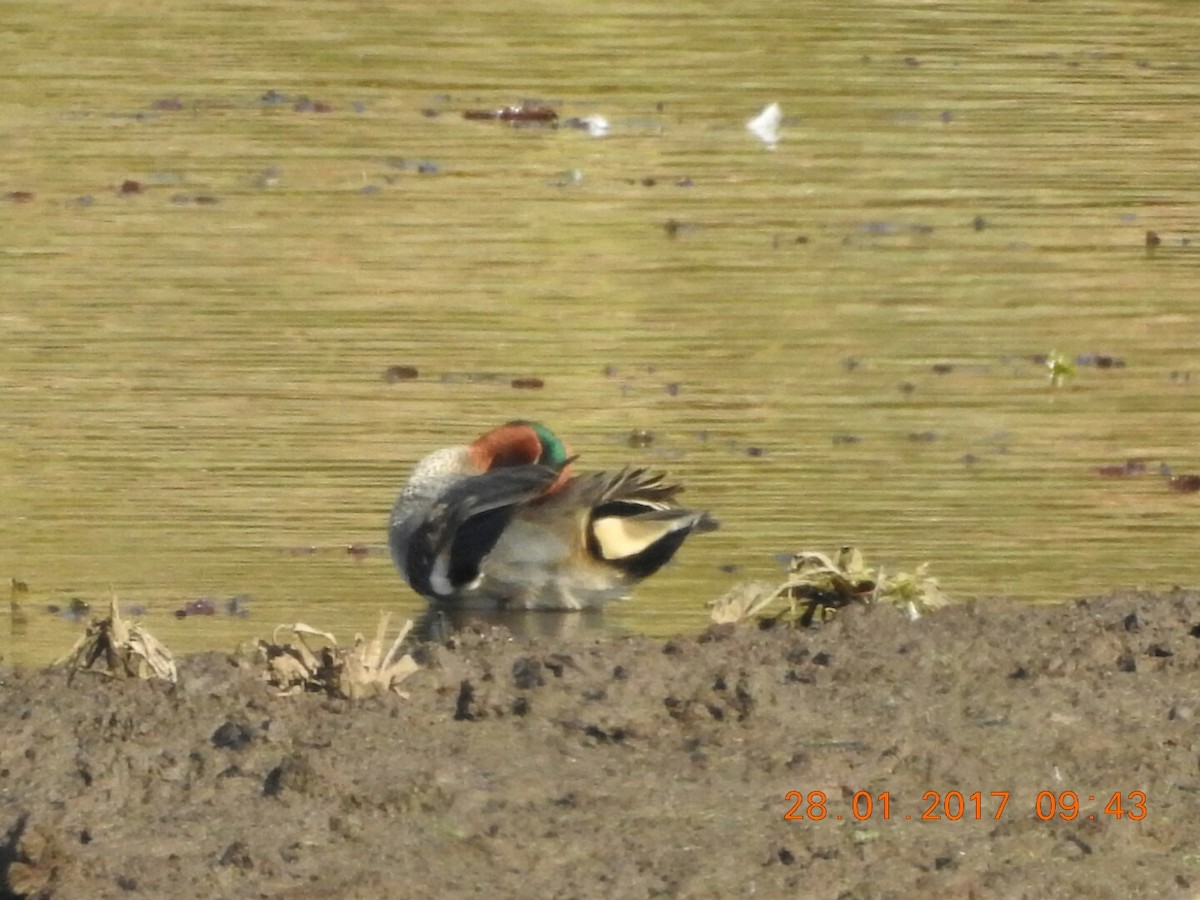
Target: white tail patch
620, 537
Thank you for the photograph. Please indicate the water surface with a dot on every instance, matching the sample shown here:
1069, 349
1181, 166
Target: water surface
831, 340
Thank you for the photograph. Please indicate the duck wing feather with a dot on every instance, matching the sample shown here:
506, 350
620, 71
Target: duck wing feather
464, 524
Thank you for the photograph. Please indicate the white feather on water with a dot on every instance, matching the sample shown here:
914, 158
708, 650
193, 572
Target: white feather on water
765, 125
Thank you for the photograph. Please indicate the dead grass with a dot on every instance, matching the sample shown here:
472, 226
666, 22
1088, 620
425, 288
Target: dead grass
363, 670
119, 649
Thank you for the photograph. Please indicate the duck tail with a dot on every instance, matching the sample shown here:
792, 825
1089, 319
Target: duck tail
636, 525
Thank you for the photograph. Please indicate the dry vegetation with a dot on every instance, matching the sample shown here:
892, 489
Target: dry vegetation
120, 649
817, 585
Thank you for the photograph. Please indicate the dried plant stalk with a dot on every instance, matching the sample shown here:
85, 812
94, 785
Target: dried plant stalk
122, 649
360, 671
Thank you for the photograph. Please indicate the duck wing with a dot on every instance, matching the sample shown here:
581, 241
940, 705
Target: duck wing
465, 522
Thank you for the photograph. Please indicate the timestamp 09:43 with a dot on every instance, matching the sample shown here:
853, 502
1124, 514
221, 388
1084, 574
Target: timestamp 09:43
815, 806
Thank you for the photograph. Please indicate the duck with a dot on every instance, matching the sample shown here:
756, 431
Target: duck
504, 523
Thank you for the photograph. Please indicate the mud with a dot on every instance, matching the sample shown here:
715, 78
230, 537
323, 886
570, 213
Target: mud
609, 766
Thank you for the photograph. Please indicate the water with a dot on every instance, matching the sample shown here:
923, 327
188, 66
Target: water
831, 340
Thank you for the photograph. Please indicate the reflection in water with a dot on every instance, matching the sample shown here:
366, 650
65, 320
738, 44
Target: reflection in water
832, 341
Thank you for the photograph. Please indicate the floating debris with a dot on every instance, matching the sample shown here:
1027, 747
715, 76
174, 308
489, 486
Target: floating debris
675, 228
595, 126
350, 673
124, 650
204, 606
531, 112
420, 166
778, 241
357, 550
1100, 361
392, 374
1184, 484
528, 383
197, 199
816, 583
1122, 470
765, 126
21, 196
76, 609
303, 104
129, 186
1152, 240
167, 104
1061, 368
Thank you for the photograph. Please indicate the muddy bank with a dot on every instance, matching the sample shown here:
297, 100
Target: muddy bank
601, 766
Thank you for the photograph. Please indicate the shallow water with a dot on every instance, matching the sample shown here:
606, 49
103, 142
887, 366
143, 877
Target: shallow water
831, 343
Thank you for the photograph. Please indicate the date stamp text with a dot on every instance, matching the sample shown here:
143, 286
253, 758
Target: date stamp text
815, 806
